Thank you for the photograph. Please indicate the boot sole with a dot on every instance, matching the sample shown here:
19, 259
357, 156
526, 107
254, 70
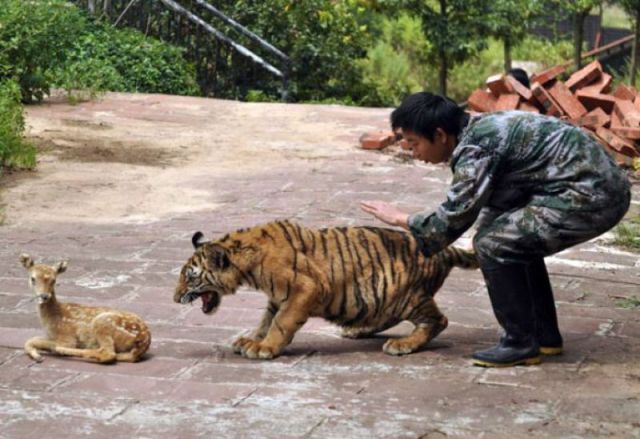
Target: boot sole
548, 351
524, 362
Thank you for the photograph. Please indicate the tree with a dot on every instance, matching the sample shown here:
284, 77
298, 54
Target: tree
455, 30
509, 21
579, 10
632, 7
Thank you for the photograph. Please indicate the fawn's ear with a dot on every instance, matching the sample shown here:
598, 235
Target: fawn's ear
26, 261
61, 267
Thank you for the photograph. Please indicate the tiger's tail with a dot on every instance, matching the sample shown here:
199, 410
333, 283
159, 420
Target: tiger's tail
461, 258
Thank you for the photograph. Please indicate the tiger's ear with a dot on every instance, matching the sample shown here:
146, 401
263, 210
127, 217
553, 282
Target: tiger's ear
197, 240
217, 256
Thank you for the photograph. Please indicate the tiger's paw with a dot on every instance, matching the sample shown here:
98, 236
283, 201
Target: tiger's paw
397, 347
256, 350
239, 343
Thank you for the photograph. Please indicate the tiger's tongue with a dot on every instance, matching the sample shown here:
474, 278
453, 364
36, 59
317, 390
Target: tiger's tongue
209, 302
206, 298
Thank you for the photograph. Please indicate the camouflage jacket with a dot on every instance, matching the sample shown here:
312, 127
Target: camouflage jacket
506, 160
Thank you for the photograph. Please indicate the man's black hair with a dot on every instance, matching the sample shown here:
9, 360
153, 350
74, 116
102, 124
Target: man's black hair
520, 75
423, 112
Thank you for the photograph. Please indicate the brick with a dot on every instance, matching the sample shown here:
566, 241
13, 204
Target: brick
585, 76
548, 75
594, 119
619, 144
545, 99
615, 121
624, 93
498, 85
602, 85
628, 114
632, 133
377, 139
567, 101
482, 101
524, 92
507, 102
526, 106
591, 101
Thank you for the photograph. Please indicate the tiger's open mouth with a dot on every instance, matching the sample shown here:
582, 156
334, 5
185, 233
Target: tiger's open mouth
210, 300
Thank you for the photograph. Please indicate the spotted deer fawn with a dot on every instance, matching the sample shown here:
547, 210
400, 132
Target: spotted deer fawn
93, 333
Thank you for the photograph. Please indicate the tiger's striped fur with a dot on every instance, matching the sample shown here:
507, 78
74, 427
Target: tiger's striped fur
364, 279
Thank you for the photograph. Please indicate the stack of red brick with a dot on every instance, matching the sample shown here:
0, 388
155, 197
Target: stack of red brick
585, 99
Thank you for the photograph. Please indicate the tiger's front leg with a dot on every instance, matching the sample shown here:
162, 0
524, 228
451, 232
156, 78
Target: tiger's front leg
289, 318
260, 332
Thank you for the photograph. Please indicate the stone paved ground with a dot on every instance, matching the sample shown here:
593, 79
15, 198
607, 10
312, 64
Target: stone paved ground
126, 181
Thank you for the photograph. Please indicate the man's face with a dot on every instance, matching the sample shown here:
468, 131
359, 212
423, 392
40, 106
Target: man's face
436, 151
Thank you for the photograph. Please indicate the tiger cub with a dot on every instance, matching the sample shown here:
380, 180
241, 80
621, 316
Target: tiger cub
364, 279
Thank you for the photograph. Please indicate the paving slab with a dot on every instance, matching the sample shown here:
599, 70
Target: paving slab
124, 181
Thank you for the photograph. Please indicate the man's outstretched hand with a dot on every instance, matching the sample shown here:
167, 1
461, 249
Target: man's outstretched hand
386, 213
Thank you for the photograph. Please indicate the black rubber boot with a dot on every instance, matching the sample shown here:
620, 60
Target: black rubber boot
544, 308
510, 296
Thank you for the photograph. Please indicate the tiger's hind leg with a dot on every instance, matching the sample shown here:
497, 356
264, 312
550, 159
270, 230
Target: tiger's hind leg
366, 331
353, 332
429, 323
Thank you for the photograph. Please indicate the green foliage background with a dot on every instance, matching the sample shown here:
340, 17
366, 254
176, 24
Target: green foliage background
14, 150
52, 43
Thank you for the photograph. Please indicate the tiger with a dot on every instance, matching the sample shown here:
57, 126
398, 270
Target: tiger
363, 279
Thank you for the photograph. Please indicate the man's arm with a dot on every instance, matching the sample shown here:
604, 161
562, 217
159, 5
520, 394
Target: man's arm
386, 213
468, 193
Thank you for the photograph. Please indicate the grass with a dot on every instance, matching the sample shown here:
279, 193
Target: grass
615, 16
627, 234
629, 302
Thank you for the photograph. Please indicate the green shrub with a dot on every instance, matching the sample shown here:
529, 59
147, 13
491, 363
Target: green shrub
126, 60
396, 64
35, 37
14, 150
321, 37
52, 43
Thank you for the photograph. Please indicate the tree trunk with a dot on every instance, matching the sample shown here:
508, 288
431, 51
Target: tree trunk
442, 74
634, 52
507, 54
92, 6
578, 35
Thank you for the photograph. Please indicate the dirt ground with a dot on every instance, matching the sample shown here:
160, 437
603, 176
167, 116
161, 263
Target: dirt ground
122, 183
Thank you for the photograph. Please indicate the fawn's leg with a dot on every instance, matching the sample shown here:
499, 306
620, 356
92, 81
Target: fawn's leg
429, 323
33, 344
103, 329
261, 331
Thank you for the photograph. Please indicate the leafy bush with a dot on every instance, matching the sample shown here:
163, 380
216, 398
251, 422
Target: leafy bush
125, 60
52, 43
35, 37
397, 64
321, 37
14, 151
